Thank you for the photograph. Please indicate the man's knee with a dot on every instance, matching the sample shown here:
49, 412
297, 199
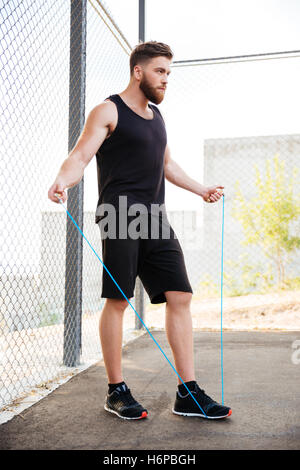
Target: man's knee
117, 304
178, 299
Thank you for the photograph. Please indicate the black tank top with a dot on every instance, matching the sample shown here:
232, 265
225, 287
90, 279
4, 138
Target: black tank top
131, 161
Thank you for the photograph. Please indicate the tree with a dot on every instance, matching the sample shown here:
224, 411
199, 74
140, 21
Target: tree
266, 219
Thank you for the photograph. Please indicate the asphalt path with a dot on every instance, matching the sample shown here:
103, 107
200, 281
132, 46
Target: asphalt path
261, 385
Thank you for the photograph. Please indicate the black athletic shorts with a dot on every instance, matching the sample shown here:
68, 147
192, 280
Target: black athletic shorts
159, 262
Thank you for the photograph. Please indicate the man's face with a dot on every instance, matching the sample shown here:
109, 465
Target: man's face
155, 78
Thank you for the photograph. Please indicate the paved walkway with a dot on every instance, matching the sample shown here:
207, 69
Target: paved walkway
261, 384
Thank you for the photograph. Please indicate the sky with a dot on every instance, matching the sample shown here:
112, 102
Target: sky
198, 29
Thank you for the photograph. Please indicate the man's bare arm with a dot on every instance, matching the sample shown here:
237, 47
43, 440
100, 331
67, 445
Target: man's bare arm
91, 138
176, 175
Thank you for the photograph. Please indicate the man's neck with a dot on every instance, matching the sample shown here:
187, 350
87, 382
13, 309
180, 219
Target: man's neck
134, 97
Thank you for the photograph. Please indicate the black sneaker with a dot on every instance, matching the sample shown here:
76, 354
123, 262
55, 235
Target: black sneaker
185, 405
122, 403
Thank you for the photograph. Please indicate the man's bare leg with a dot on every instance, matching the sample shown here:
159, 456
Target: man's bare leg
180, 336
111, 334
179, 332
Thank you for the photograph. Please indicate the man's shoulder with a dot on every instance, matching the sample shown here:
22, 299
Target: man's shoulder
105, 111
106, 106
157, 110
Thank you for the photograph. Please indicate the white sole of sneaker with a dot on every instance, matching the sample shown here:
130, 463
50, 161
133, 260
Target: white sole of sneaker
125, 417
200, 415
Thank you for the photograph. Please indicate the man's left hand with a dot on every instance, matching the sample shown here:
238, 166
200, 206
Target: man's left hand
212, 193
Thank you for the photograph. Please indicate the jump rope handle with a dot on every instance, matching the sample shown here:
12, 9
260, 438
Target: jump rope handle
58, 197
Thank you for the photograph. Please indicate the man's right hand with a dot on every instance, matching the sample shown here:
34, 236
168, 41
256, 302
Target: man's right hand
57, 188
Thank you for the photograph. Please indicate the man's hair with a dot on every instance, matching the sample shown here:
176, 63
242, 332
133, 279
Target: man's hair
145, 51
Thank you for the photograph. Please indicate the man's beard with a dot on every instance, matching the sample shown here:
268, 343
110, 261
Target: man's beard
151, 93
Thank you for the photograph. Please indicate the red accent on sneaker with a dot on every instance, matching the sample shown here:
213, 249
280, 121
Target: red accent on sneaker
230, 411
144, 415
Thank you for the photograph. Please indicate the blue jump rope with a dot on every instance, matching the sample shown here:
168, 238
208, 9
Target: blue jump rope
140, 317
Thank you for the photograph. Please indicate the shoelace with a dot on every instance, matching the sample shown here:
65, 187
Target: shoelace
126, 397
206, 398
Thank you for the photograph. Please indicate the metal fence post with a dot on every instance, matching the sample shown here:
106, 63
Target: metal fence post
141, 20
139, 289
74, 242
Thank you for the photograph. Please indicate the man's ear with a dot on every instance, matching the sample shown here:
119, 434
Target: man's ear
137, 71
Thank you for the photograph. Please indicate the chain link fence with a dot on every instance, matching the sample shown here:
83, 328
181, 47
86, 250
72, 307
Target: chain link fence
57, 61
229, 122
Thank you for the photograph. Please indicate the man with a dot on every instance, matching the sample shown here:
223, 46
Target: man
128, 136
